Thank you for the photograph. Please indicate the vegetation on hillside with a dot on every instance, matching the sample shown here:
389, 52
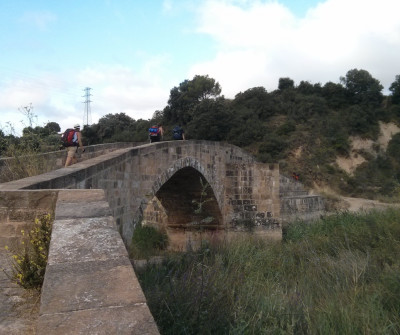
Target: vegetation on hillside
340, 275
312, 120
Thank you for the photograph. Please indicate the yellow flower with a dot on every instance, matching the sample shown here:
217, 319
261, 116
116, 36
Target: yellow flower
6, 247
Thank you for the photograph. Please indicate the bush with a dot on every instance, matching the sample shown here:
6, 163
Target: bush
147, 241
30, 259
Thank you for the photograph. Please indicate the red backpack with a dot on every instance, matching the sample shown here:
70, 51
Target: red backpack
70, 138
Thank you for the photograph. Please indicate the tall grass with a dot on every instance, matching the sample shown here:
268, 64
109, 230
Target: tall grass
340, 275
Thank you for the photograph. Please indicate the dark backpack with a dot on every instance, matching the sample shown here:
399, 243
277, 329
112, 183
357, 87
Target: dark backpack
70, 138
154, 131
177, 133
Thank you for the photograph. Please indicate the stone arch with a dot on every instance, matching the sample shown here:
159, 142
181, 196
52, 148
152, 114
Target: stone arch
178, 164
171, 205
184, 163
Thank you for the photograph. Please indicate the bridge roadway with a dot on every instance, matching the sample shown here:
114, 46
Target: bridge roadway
90, 286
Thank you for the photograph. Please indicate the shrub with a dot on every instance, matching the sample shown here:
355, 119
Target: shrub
147, 241
30, 259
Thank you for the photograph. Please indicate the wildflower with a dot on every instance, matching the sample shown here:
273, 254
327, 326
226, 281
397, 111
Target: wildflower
6, 247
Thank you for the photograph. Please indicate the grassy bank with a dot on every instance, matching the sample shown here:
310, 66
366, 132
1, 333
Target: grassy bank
338, 276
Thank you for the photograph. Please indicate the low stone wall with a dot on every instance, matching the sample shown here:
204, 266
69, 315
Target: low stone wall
296, 203
54, 160
19, 310
306, 207
90, 286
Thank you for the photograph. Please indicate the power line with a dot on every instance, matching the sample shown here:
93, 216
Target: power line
87, 115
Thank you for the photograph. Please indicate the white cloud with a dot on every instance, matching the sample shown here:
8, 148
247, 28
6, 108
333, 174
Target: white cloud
262, 41
114, 89
120, 90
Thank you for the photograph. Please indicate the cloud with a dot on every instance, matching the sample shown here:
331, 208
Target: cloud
60, 98
119, 89
259, 42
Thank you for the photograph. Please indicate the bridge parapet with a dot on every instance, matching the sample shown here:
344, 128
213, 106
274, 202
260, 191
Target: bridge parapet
49, 161
90, 286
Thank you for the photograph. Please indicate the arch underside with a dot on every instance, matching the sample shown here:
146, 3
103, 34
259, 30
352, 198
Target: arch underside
174, 204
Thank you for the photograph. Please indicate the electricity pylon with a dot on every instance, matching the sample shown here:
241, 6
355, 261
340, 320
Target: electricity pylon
87, 116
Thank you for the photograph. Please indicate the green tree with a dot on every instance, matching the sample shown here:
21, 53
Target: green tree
52, 127
210, 121
187, 95
361, 120
362, 88
393, 148
395, 89
3, 143
285, 83
255, 99
115, 125
335, 95
307, 88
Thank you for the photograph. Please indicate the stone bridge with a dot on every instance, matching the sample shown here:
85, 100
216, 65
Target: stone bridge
88, 284
158, 182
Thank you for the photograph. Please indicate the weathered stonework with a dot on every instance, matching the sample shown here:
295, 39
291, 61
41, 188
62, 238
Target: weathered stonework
296, 203
241, 188
50, 161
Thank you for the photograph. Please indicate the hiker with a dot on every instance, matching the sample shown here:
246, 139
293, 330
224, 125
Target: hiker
178, 133
72, 139
156, 133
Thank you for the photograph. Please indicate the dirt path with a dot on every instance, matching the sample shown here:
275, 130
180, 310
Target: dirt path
359, 204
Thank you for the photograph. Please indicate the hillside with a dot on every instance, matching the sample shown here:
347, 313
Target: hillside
358, 144
341, 138
350, 163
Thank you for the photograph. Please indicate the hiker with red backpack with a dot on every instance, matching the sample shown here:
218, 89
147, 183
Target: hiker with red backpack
156, 133
72, 139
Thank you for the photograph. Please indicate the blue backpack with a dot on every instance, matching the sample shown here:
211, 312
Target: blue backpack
154, 131
177, 133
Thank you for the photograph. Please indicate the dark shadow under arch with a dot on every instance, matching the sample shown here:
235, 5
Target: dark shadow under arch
177, 194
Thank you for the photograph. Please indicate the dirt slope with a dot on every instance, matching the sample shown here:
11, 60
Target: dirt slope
349, 164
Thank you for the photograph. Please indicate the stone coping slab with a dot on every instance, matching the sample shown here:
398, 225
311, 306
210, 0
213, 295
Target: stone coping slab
83, 285
133, 320
90, 286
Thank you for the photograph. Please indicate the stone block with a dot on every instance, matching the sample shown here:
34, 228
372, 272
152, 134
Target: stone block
133, 320
88, 285
82, 210
85, 239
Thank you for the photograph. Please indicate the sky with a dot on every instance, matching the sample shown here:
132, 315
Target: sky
131, 53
